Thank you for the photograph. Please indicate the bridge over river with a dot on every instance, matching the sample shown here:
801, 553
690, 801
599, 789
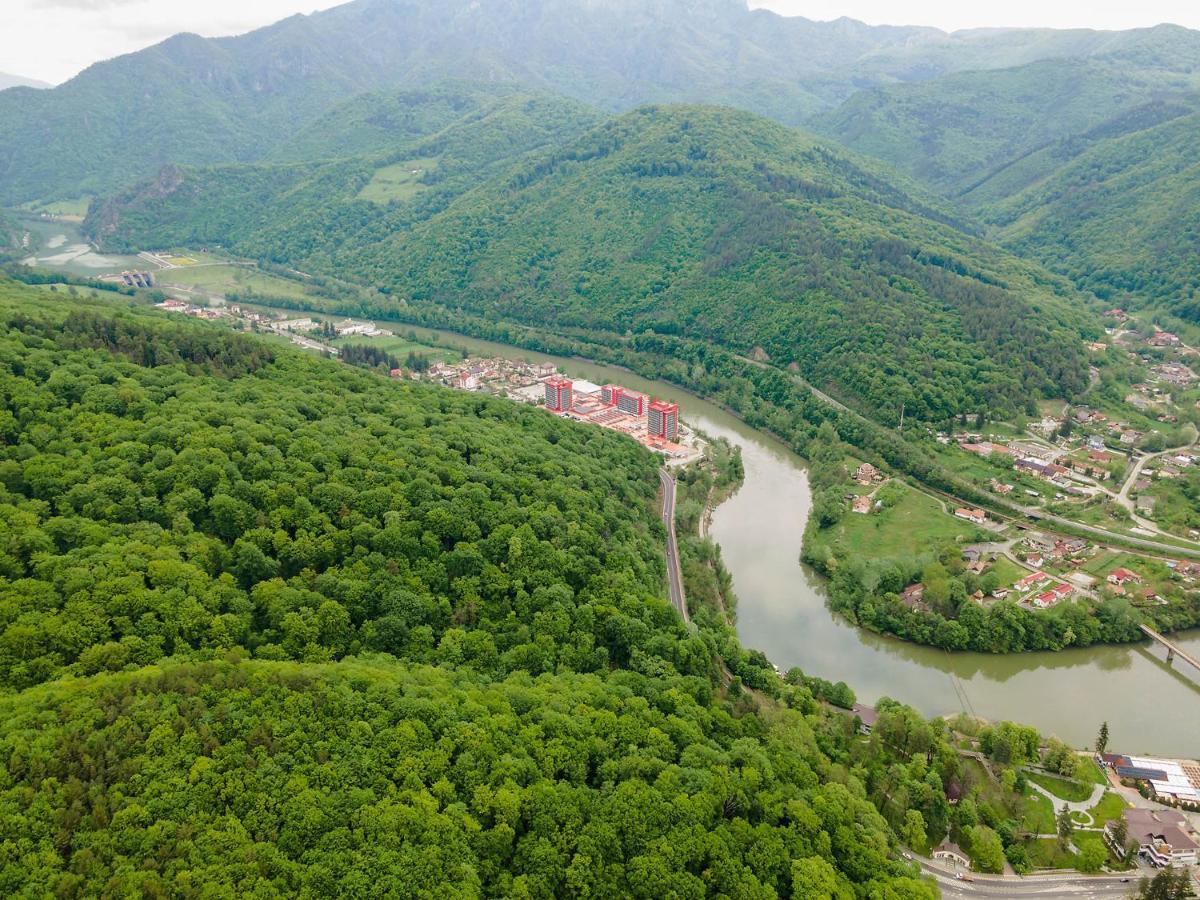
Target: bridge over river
1172, 649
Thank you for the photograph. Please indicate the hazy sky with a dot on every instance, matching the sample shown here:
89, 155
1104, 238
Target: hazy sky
54, 39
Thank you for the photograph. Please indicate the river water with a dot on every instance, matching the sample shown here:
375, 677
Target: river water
1150, 707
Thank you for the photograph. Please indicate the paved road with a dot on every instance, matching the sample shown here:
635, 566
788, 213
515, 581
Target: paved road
1080, 887
674, 573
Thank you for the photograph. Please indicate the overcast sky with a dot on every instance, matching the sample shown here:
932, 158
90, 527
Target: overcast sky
54, 39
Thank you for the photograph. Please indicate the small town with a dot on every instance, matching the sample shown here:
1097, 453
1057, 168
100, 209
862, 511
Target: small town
653, 423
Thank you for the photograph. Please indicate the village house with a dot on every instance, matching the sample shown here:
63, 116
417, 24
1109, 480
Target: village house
1164, 339
1123, 576
866, 473
1130, 437
861, 505
1086, 468
977, 516
867, 717
1001, 488
1032, 580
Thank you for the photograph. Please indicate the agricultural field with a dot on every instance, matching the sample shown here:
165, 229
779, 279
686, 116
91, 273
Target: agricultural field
398, 182
913, 525
235, 279
73, 210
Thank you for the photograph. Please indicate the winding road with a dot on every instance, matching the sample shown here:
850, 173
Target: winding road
674, 572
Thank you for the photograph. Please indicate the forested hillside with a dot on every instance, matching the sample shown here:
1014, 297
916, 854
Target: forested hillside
1122, 218
962, 134
192, 100
690, 220
423, 149
275, 625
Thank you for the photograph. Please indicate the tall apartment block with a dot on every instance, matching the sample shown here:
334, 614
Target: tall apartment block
663, 420
558, 394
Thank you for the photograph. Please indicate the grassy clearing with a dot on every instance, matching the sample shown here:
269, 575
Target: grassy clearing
398, 182
68, 209
914, 525
1089, 771
1007, 571
400, 346
1038, 817
1060, 787
1047, 853
1110, 807
228, 279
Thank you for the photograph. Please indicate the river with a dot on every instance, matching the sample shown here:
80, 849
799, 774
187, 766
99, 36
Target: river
1150, 707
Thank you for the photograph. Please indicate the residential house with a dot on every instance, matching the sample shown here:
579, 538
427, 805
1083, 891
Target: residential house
866, 473
977, 516
861, 505
867, 717
1123, 576
1032, 580
1130, 437
1100, 456
1095, 442
1164, 339
1163, 837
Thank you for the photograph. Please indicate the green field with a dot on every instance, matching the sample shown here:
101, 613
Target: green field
225, 279
70, 209
1007, 570
401, 181
1110, 807
1061, 787
914, 525
400, 346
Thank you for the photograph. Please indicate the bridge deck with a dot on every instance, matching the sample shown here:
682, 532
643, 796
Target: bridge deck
1177, 651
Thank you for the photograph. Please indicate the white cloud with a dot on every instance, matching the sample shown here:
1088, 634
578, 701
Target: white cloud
55, 39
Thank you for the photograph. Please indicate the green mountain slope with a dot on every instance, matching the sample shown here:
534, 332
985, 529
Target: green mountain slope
306, 210
284, 627
192, 100
717, 225
1122, 217
963, 133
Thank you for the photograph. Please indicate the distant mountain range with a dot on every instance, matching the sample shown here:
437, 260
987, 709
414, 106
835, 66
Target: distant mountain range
197, 100
7, 81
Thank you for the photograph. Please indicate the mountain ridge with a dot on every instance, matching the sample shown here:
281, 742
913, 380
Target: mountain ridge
194, 100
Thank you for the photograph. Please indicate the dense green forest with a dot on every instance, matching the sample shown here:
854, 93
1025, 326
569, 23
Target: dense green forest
683, 220
1122, 219
273, 625
303, 212
986, 134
